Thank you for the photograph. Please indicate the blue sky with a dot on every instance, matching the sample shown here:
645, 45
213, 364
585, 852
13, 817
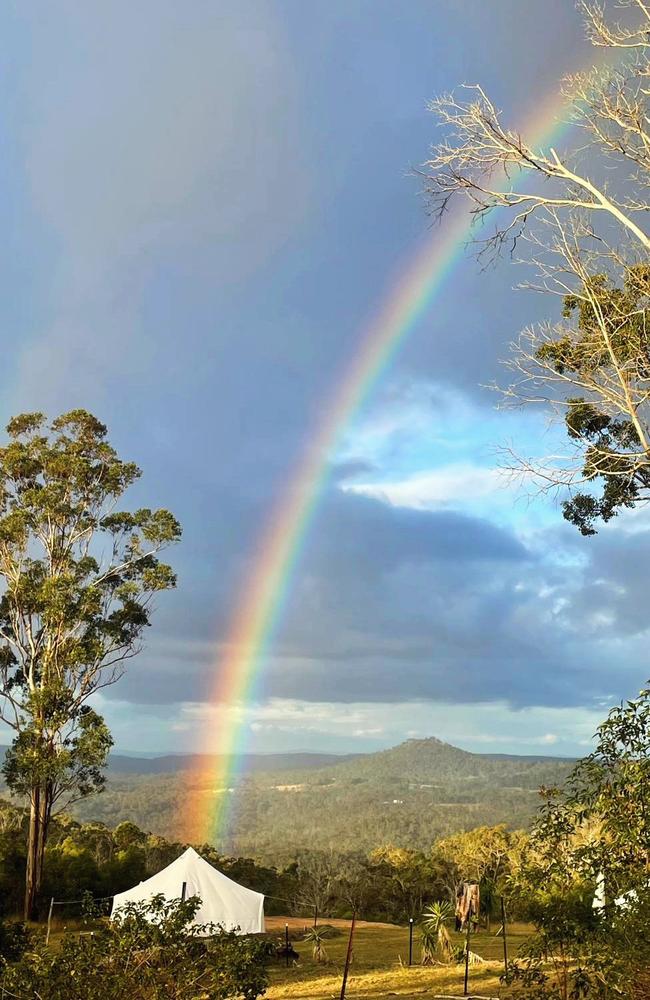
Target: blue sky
202, 205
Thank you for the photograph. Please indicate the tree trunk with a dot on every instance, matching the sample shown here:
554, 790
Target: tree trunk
39, 821
32, 874
43, 828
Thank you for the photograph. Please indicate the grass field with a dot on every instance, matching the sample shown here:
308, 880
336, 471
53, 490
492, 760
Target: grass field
380, 964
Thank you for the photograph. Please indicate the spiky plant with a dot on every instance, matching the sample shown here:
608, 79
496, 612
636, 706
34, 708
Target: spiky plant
434, 936
316, 936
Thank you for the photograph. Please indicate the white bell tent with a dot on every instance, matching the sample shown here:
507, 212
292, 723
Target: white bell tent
223, 901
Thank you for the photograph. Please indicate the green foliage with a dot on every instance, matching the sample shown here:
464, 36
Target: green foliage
75, 768
411, 877
598, 823
570, 955
151, 952
390, 884
408, 797
78, 578
596, 827
487, 854
15, 939
127, 835
93, 858
608, 350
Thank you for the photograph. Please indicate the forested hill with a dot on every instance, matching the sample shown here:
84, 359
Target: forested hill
431, 759
249, 763
409, 795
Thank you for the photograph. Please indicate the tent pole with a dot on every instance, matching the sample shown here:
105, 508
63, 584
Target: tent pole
183, 892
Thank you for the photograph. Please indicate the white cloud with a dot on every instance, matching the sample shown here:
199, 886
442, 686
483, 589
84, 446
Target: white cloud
451, 484
435, 447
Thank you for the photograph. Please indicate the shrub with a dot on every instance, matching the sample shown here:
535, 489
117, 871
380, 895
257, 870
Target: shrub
14, 940
151, 951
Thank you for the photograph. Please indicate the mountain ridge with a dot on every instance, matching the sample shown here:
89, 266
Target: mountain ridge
408, 795
121, 763
169, 763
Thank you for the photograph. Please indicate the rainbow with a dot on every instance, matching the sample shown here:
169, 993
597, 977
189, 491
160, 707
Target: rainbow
274, 567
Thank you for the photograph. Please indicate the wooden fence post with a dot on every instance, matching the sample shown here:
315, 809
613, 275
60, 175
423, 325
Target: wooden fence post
49, 922
469, 931
505, 938
348, 957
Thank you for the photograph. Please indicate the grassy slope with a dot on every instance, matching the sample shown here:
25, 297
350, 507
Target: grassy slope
376, 971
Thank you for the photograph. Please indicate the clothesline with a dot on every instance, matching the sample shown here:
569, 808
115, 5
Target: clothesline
70, 902
102, 899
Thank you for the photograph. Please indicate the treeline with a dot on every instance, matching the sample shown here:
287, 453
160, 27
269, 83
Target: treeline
388, 883
95, 859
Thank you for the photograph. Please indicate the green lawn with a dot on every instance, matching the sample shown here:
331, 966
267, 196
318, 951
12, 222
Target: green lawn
380, 965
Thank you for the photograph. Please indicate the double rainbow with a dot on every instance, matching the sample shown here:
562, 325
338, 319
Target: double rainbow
274, 567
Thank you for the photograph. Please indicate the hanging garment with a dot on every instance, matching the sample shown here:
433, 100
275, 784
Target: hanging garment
468, 902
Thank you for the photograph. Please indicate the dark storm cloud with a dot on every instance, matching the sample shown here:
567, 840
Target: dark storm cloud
368, 536
392, 605
359, 550
528, 631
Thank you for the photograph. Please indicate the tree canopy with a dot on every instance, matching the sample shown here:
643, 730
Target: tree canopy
78, 577
576, 215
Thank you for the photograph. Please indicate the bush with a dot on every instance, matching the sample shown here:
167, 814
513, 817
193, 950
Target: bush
14, 940
152, 951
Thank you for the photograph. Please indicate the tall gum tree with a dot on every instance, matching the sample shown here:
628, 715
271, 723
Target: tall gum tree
77, 582
579, 217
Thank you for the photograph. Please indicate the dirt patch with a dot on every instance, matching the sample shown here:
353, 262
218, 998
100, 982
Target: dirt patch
299, 923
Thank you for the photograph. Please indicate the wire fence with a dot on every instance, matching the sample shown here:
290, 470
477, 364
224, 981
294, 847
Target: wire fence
89, 901
93, 905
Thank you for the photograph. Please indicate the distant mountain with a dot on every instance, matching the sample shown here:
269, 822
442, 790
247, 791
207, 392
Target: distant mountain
409, 795
248, 763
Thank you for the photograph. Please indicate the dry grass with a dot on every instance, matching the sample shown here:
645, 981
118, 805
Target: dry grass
380, 966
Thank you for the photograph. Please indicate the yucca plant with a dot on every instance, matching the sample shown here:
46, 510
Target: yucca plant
434, 936
316, 936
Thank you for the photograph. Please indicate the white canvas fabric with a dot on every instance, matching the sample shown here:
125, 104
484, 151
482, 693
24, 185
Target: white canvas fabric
622, 903
599, 896
223, 901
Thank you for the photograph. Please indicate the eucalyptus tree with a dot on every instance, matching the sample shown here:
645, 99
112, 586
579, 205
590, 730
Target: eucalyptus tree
77, 581
578, 216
